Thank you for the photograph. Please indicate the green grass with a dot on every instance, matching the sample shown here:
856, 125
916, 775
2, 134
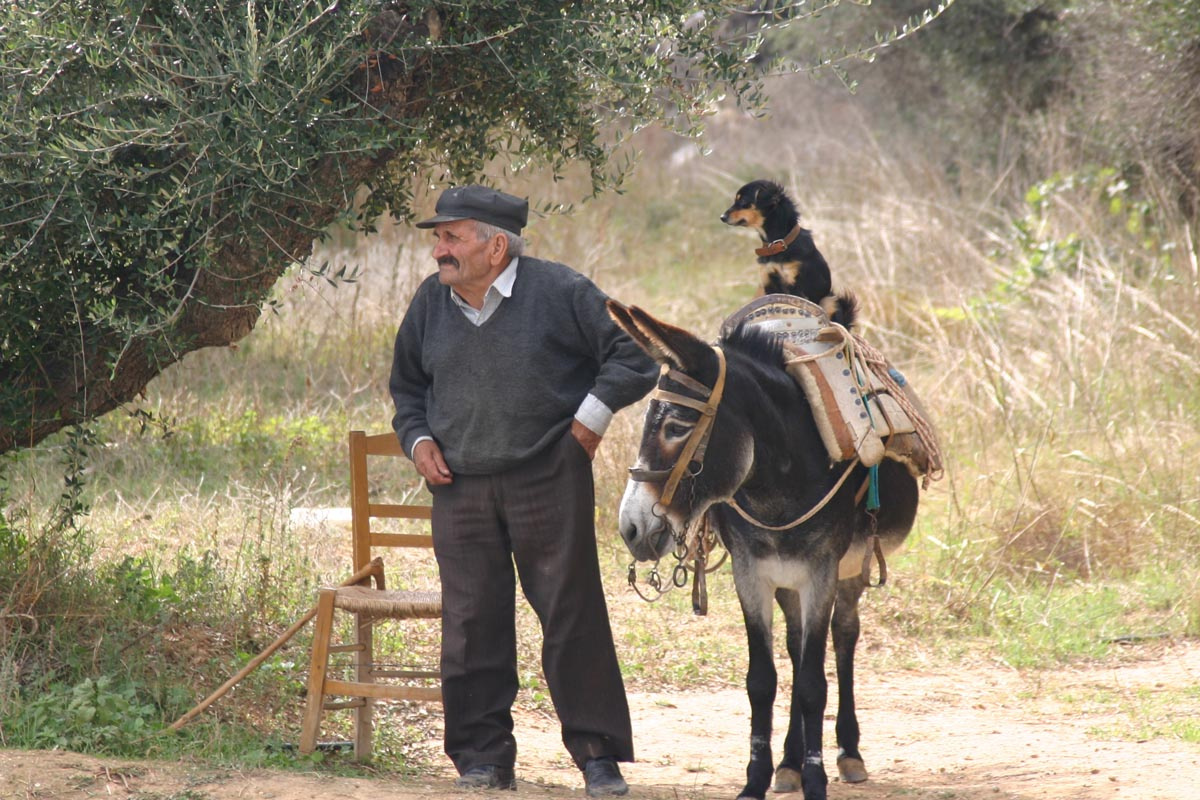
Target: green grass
1141, 714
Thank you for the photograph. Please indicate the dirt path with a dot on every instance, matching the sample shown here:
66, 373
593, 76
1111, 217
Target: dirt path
966, 731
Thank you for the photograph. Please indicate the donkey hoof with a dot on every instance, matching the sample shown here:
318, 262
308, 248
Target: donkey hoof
852, 770
786, 780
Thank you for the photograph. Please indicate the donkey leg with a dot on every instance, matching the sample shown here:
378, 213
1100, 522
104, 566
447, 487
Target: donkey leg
761, 684
807, 628
787, 776
845, 639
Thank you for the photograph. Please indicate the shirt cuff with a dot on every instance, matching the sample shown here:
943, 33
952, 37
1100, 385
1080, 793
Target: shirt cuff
594, 415
417, 442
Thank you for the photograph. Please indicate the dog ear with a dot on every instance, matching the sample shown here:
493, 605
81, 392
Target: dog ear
770, 194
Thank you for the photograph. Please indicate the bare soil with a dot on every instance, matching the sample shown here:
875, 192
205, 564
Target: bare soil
969, 731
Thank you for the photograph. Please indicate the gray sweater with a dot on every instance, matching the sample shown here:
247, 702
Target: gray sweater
497, 394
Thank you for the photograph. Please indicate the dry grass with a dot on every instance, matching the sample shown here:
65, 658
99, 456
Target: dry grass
1054, 342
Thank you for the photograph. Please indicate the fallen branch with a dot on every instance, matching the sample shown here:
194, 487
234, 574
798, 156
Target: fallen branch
254, 663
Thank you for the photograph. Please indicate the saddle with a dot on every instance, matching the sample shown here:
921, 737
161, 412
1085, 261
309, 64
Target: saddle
862, 405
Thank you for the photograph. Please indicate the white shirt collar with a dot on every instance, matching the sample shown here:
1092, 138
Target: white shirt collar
501, 288
505, 280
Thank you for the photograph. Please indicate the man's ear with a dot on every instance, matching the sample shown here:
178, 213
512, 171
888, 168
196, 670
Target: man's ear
498, 250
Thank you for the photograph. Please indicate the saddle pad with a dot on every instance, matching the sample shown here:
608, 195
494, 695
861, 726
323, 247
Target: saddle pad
853, 409
791, 318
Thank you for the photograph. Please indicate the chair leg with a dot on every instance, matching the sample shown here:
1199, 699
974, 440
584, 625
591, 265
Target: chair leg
316, 672
364, 723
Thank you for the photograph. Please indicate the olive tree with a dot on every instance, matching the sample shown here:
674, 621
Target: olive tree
163, 162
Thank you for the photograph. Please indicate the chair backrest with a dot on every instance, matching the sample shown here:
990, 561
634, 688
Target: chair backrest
363, 511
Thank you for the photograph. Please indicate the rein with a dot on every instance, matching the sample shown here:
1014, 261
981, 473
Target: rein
693, 453
812, 512
693, 550
694, 449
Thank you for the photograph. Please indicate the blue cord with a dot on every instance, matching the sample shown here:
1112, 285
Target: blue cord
873, 488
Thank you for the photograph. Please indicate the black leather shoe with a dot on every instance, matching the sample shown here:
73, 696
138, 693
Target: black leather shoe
487, 776
603, 778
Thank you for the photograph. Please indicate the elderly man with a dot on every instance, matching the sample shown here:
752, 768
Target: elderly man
506, 373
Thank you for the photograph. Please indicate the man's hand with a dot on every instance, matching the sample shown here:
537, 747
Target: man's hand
586, 437
427, 457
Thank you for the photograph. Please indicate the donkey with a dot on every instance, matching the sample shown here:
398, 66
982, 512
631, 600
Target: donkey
730, 433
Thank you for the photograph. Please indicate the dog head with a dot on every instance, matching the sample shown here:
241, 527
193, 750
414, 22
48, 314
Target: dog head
753, 205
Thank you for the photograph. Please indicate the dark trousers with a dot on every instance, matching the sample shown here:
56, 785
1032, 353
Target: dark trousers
539, 515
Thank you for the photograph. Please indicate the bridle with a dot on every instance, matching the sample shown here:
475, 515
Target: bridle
691, 460
697, 443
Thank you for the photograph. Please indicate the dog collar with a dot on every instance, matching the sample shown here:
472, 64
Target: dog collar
779, 245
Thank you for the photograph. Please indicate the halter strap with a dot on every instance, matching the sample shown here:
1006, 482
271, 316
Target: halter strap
700, 404
687, 381
707, 407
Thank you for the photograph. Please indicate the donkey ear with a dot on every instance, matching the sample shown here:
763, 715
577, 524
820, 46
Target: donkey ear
621, 316
632, 321
668, 344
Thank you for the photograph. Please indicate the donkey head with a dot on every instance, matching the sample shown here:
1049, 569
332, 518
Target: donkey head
694, 450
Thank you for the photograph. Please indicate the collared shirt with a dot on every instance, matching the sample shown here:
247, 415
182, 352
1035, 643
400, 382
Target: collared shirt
501, 288
593, 414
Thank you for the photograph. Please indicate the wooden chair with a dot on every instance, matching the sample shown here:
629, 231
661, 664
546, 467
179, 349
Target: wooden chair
369, 601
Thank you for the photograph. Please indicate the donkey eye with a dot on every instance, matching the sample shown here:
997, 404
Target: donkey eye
676, 430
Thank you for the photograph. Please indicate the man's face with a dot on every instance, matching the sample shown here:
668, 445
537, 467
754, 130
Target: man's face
465, 261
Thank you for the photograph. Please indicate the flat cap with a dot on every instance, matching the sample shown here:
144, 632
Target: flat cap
480, 203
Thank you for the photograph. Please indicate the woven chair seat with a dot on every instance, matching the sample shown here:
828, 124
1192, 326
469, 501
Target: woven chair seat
388, 603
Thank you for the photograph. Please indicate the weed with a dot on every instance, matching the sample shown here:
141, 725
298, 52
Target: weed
1161, 712
89, 716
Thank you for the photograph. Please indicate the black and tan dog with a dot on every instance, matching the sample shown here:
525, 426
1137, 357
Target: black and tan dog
791, 262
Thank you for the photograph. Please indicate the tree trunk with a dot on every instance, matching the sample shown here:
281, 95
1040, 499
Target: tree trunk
218, 310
